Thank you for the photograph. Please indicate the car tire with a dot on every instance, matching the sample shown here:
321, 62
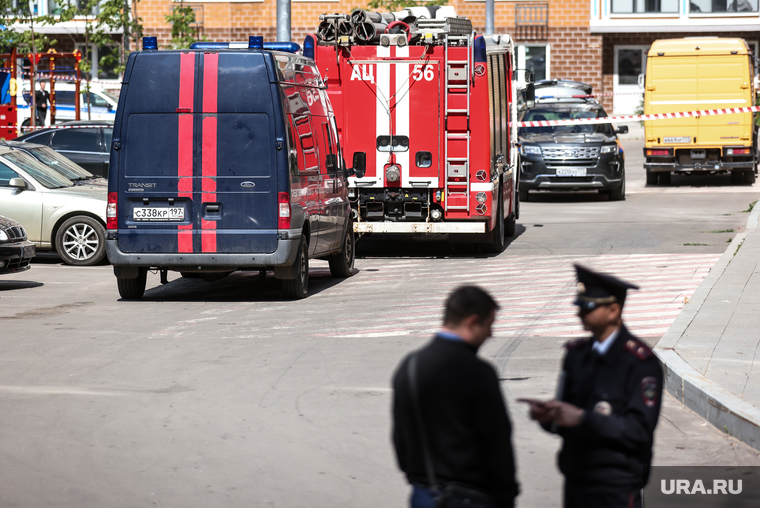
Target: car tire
81, 241
133, 289
737, 177
190, 275
342, 265
664, 178
523, 195
298, 288
510, 226
651, 177
618, 194
749, 177
26, 123
498, 241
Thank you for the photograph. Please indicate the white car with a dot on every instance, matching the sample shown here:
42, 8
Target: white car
102, 104
56, 214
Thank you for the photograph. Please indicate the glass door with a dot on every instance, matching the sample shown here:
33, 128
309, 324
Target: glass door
628, 84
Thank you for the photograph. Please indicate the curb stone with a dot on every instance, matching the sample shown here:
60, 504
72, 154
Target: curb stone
723, 409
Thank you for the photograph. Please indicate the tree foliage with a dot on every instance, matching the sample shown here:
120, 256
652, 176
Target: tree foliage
181, 19
397, 5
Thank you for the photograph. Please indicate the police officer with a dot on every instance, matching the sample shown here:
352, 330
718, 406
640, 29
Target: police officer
608, 402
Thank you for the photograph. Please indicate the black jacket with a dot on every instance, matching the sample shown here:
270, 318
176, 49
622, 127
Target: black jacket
614, 449
466, 421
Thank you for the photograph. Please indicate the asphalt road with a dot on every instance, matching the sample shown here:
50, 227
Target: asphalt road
224, 394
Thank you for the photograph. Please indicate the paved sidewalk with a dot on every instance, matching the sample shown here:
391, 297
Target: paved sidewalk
711, 352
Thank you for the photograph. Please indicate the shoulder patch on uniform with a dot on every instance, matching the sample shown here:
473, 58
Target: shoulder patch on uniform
638, 349
572, 344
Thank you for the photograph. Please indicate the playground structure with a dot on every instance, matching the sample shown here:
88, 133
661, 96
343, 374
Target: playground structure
59, 68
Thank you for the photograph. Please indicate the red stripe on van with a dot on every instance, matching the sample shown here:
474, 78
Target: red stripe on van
208, 235
209, 143
185, 144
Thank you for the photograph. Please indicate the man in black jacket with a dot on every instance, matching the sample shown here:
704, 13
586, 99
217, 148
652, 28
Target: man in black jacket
465, 420
608, 404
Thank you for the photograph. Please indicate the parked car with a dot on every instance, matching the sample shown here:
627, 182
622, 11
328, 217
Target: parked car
569, 157
58, 163
56, 214
15, 250
85, 142
102, 104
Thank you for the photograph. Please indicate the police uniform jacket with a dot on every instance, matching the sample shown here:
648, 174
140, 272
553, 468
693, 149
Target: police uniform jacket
466, 421
621, 393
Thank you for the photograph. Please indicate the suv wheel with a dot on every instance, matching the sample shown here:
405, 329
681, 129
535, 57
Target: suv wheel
619, 193
298, 288
133, 289
342, 265
80, 241
523, 194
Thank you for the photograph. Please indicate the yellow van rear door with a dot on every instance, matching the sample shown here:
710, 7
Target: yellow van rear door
724, 83
671, 87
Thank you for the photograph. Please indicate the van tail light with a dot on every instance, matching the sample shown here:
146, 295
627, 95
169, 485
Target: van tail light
283, 201
738, 151
658, 152
111, 211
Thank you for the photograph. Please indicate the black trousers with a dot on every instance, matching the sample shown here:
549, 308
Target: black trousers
601, 496
41, 115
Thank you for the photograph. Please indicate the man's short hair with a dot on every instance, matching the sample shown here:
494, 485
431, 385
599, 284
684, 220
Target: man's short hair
466, 301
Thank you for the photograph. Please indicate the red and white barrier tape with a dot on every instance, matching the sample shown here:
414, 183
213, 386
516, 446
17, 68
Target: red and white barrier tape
30, 128
638, 118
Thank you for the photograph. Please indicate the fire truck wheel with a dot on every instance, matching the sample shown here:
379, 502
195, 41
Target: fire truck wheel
664, 177
496, 245
298, 288
342, 265
749, 177
651, 177
133, 289
510, 226
524, 195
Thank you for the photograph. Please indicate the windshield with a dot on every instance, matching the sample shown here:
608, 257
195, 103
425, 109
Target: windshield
60, 164
36, 170
110, 96
565, 113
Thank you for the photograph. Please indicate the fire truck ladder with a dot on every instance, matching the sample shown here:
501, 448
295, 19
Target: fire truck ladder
457, 84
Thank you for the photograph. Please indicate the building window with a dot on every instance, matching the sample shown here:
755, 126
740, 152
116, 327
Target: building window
645, 6
722, 6
534, 58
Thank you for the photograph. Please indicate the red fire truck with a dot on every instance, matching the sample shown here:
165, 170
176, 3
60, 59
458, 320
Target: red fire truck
428, 104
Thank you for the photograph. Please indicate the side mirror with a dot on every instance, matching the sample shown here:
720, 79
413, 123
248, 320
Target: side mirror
17, 183
360, 164
623, 129
530, 77
331, 163
530, 96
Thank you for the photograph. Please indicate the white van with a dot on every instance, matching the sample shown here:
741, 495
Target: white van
102, 104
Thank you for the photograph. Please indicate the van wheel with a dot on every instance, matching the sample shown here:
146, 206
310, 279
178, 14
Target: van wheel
298, 288
80, 241
651, 177
342, 265
133, 289
749, 177
664, 177
737, 177
496, 245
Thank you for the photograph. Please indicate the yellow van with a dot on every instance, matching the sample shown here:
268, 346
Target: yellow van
695, 74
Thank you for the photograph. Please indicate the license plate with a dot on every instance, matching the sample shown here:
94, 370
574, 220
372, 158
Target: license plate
571, 171
677, 139
158, 213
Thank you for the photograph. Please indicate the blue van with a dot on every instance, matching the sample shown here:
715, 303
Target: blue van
222, 160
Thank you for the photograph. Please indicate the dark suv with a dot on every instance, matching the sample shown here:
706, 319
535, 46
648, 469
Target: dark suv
15, 250
569, 157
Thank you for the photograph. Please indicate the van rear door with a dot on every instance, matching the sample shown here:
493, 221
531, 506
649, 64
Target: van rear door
197, 165
724, 82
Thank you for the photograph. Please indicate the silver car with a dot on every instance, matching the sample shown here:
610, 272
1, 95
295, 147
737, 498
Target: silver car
56, 214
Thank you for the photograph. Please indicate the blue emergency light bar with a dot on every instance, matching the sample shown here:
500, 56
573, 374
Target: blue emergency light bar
288, 47
150, 43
